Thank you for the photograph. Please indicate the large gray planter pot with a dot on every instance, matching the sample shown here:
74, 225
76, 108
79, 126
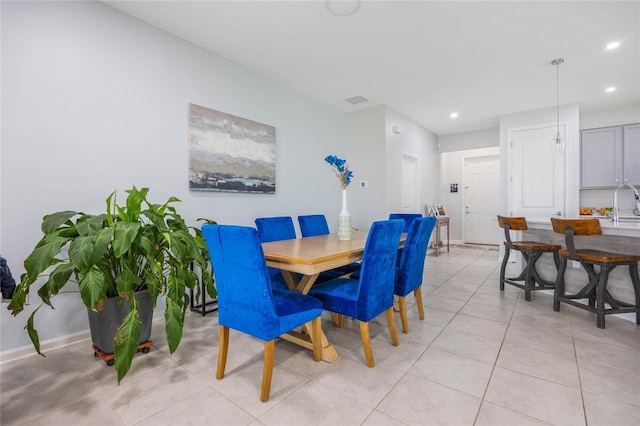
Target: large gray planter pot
103, 325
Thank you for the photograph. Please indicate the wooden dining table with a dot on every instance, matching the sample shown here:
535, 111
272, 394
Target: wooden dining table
309, 257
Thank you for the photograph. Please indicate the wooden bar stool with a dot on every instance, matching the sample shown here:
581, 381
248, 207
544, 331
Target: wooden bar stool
596, 289
529, 279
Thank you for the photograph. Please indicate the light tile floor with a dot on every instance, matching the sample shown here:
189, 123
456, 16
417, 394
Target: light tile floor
480, 357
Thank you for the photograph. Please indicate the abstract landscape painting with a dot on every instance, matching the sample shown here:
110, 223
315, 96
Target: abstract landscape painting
230, 153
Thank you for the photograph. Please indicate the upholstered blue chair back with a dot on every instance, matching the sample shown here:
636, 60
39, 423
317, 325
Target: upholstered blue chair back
275, 228
245, 298
413, 254
378, 269
313, 224
407, 217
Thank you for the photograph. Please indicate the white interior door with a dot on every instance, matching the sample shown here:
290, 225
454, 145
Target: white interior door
410, 185
481, 189
537, 176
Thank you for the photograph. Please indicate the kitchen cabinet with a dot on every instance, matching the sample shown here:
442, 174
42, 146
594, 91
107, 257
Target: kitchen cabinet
610, 156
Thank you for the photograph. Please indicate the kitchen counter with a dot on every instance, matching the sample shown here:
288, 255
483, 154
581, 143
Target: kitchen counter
627, 227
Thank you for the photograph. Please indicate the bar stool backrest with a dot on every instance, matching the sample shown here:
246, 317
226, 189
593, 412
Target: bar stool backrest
571, 227
511, 224
579, 226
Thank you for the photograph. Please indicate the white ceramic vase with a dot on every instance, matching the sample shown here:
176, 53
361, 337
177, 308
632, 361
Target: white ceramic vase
344, 220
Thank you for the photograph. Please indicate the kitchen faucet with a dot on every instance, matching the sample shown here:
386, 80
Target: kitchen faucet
616, 214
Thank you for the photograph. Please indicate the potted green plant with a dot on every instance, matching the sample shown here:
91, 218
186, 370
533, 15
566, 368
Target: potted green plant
132, 247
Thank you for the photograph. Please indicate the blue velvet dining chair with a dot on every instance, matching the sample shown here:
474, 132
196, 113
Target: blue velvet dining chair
409, 273
313, 224
316, 224
370, 295
275, 229
246, 301
407, 217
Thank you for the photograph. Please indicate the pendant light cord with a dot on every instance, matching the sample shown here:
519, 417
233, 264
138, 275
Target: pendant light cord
557, 63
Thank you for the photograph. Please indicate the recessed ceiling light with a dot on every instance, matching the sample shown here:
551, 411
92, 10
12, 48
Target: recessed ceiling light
613, 45
454, 115
610, 89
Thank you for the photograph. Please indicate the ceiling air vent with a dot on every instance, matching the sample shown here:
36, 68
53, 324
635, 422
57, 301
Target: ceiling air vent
357, 99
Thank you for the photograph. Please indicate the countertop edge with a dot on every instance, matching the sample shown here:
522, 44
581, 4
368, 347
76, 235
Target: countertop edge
626, 229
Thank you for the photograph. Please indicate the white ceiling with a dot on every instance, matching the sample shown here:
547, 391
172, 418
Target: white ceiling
424, 59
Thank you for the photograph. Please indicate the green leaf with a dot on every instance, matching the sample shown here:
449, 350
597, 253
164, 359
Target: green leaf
207, 221
174, 322
125, 344
134, 203
81, 253
111, 200
54, 220
33, 334
176, 244
57, 279
209, 284
123, 236
42, 257
156, 219
19, 299
102, 243
126, 282
92, 288
89, 225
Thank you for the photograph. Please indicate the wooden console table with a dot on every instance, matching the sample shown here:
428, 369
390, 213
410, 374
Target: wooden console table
440, 222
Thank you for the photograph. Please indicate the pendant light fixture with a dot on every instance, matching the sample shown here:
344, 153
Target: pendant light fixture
558, 143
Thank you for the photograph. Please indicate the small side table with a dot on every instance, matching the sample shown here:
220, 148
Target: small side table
440, 222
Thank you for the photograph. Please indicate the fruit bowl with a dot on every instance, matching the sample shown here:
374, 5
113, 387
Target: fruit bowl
588, 211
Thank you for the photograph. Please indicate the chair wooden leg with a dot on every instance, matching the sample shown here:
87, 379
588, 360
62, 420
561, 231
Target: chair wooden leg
403, 314
366, 343
267, 370
337, 319
316, 336
391, 319
222, 351
418, 294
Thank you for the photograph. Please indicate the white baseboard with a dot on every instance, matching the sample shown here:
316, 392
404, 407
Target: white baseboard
45, 346
51, 344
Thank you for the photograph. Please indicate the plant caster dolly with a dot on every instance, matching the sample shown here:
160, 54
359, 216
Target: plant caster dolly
144, 347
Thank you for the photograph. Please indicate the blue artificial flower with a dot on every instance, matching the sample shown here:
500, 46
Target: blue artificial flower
341, 170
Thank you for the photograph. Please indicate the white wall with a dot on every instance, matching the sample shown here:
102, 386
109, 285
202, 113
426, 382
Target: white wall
610, 117
375, 155
470, 140
416, 141
366, 157
94, 100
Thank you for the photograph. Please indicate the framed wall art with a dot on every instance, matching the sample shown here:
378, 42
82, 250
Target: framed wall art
230, 153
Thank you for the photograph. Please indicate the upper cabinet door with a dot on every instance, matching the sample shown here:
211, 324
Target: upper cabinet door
631, 161
601, 157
